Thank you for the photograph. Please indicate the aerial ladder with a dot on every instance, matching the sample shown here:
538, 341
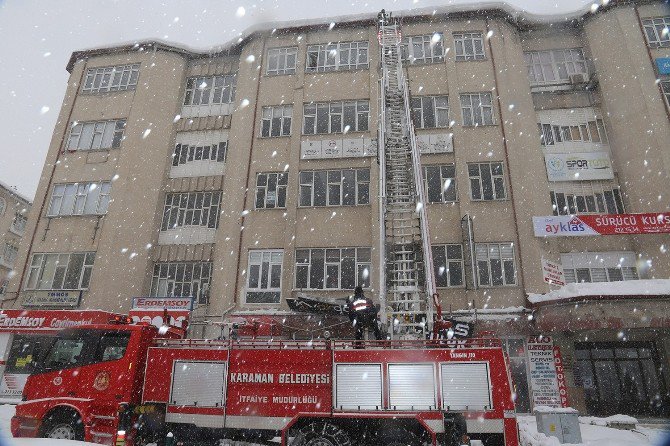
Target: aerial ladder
409, 303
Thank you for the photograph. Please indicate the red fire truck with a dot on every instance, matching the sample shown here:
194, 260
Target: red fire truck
134, 383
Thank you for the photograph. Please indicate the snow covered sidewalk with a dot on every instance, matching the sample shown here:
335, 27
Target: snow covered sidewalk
595, 433
6, 414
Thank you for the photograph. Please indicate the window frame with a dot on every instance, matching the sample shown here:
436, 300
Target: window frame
473, 112
586, 197
419, 118
80, 193
185, 154
493, 177
179, 206
360, 186
502, 259
461, 38
109, 73
665, 89
556, 60
358, 263
409, 44
282, 53
322, 52
182, 272
9, 253
286, 116
225, 91
332, 114
19, 223
649, 23
91, 129
38, 265
599, 265
447, 273
280, 188
259, 276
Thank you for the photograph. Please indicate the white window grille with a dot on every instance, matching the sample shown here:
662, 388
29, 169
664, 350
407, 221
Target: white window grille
448, 265
348, 187
264, 277
19, 223
599, 266
657, 30
80, 199
335, 117
191, 209
332, 268
477, 109
282, 60
106, 79
337, 56
9, 253
469, 46
487, 181
182, 279
441, 183
271, 190
96, 135
586, 197
427, 48
276, 120
60, 271
210, 90
555, 66
495, 264
429, 112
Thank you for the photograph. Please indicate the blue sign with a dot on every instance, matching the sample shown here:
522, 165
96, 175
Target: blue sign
663, 64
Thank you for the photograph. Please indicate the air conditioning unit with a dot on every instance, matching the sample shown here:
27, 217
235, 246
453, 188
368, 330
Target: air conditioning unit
579, 78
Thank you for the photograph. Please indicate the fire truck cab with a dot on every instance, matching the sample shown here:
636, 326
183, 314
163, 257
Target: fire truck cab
109, 382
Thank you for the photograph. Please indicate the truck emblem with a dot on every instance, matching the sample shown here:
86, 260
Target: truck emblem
57, 381
101, 381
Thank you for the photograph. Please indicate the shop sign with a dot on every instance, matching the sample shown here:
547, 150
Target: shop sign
560, 377
601, 224
543, 376
63, 299
552, 272
579, 166
38, 320
163, 303
663, 64
178, 318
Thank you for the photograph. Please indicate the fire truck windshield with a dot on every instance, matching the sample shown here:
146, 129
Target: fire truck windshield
75, 348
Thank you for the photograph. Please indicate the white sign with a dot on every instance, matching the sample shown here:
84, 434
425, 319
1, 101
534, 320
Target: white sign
337, 148
66, 299
161, 303
543, 377
579, 166
435, 143
561, 226
553, 272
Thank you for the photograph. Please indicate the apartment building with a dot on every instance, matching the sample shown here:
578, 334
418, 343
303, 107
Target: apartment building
246, 175
14, 209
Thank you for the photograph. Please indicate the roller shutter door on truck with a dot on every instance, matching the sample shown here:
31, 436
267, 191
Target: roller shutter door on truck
358, 386
412, 386
466, 386
198, 384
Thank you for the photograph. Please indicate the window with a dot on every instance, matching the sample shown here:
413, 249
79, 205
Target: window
9, 253
264, 277
332, 268
335, 117
591, 131
469, 46
206, 90
599, 267
96, 135
337, 56
24, 352
429, 112
191, 209
118, 78
277, 120
495, 264
80, 199
427, 48
282, 60
3, 286
55, 271
477, 109
182, 279
486, 181
448, 265
656, 30
19, 223
348, 187
66, 353
665, 85
440, 183
586, 197
554, 66
3, 206
186, 153
112, 346
271, 190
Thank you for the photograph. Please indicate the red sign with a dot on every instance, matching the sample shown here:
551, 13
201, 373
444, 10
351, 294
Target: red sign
612, 224
560, 377
43, 320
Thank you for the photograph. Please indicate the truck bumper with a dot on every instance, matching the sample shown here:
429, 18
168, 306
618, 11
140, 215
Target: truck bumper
24, 427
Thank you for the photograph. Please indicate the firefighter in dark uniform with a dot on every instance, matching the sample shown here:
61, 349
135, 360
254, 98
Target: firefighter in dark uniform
363, 314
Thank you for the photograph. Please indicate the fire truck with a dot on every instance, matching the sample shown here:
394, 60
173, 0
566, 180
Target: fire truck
134, 383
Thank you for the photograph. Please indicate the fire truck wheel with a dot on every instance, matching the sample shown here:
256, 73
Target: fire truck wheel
63, 425
322, 434
399, 437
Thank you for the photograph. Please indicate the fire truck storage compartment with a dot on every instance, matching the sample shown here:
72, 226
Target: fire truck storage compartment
466, 386
358, 386
198, 384
412, 387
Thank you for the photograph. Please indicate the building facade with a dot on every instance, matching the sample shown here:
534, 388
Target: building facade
14, 210
246, 175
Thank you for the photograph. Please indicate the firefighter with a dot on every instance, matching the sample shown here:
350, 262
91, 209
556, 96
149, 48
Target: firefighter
363, 314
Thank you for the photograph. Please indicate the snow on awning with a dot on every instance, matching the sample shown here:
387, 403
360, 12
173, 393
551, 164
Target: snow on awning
631, 288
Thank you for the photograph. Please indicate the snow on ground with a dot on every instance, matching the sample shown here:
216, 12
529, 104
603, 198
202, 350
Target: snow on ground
6, 414
648, 287
595, 433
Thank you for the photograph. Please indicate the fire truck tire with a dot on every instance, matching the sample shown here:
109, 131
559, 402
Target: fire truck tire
399, 437
321, 434
64, 425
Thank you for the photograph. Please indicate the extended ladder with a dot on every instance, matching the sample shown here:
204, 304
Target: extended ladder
407, 282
